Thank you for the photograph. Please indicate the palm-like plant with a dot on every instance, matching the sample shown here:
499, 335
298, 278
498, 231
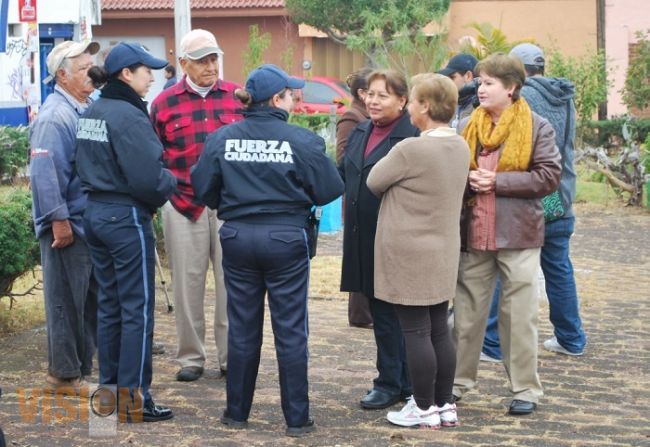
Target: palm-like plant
489, 40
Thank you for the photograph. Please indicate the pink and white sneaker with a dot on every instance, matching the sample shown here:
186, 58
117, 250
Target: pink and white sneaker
448, 415
411, 416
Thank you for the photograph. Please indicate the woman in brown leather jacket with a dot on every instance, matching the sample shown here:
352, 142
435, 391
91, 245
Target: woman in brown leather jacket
513, 164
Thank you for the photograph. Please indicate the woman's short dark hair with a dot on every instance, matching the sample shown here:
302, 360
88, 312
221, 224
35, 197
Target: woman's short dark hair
508, 69
99, 76
358, 80
246, 98
395, 81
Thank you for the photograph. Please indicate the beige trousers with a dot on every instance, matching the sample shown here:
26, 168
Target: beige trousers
190, 246
518, 312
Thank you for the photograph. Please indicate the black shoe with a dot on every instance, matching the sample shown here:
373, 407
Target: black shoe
377, 400
230, 422
150, 413
362, 325
189, 373
307, 427
157, 348
521, 407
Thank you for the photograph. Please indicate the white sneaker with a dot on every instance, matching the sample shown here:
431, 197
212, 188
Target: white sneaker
552, 345
411, 415
448, 415
486, 358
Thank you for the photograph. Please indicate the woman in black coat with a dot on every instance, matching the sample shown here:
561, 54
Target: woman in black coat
369, 142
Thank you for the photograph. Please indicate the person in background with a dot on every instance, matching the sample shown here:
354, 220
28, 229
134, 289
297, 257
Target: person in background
58, 203
183, 117
170, 76
368, 143
118, 158
513, 164
460, 69
551, 98
421, 182
358, 306
264, 176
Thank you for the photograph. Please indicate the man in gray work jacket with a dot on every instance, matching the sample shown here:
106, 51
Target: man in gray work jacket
58, 205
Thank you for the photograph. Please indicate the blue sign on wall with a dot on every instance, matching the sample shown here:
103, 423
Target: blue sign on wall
4, 28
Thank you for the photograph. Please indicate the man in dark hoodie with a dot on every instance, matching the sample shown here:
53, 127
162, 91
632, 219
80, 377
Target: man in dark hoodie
460, 69
551, 98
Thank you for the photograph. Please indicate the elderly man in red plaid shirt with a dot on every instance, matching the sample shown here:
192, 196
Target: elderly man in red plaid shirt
183, 116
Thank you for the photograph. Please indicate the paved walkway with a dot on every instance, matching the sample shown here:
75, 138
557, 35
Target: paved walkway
601, 399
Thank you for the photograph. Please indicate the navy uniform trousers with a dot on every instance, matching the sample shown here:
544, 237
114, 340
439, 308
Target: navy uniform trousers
121, 242
260, 258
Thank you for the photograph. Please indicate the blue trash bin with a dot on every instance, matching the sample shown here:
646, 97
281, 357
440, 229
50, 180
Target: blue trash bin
330, 221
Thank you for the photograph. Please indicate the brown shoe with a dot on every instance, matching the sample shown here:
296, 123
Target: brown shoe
52, 384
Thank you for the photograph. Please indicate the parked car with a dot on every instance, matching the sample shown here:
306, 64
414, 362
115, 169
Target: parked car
320, 94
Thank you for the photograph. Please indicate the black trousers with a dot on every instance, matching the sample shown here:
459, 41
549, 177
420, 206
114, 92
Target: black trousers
430, 352
259, 259
393, 377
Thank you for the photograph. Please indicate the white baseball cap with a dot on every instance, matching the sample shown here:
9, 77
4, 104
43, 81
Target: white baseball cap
67, 50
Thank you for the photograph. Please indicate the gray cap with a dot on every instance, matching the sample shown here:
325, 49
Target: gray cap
528, 54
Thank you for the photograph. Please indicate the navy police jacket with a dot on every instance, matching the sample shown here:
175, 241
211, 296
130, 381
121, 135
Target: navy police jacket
118, 155
265, 166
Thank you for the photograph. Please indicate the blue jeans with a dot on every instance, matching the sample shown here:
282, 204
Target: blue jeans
560, 288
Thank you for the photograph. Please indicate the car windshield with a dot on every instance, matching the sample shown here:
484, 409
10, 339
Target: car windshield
343, 86
316, 92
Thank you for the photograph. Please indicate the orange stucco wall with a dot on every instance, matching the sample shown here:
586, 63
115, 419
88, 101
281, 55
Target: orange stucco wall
231, 33
568, 24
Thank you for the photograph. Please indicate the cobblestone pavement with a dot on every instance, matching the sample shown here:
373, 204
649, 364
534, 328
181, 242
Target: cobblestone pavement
600, 399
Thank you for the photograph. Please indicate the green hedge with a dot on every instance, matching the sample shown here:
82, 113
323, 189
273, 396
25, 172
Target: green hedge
19, 251
609, 133
318, 123
13, 151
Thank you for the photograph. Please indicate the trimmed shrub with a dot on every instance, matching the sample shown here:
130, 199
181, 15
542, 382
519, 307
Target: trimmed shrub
13, 151
609, 133
19, 250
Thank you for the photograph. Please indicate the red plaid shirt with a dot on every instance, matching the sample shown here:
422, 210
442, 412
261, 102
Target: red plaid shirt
183, 119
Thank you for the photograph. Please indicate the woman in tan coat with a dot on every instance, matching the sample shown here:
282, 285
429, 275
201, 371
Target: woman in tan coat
417, 245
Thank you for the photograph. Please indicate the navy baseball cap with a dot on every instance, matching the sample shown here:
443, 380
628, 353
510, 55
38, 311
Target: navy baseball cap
528, 54
267, 80
461, 63
125, 54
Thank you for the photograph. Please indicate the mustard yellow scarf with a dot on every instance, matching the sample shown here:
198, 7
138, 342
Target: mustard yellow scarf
515, 128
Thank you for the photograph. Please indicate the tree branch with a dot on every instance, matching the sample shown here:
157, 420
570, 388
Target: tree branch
609, 175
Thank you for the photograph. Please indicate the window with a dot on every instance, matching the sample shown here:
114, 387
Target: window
315, 92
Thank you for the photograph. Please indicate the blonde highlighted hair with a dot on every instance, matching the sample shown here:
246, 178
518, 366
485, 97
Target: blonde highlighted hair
439, 92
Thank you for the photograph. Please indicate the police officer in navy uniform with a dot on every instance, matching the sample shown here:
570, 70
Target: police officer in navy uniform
263, 176
118, 157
